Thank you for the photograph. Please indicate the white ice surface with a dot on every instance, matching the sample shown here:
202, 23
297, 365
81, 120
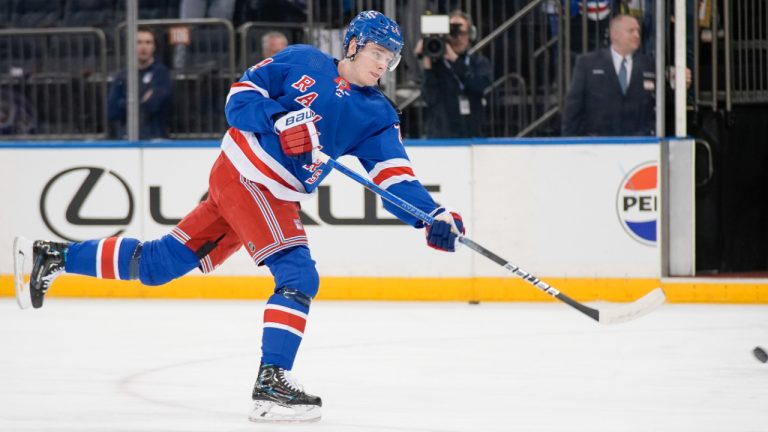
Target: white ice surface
116, 365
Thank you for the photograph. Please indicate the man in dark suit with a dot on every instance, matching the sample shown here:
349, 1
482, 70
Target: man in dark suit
613, 89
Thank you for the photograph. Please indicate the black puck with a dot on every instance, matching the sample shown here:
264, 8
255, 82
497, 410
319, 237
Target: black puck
760, 354
474, 302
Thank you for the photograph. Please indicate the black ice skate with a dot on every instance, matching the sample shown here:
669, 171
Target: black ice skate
279, 398
47, 261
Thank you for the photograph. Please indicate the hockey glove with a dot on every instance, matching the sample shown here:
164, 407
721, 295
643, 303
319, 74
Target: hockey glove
298, 135
442, 233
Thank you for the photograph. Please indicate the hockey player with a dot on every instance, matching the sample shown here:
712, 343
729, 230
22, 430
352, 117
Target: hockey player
281, 110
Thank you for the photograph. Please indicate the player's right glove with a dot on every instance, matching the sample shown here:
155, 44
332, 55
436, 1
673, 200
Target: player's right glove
442, 233
298, 135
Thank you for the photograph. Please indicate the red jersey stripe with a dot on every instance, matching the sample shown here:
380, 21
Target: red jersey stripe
285, 318
391, 172
107, 258
242, 84
241, 142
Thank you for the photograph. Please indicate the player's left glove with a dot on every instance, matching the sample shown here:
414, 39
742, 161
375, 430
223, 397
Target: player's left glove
442, 233
298, 135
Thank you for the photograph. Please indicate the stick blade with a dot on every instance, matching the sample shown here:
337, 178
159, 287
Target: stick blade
628, 312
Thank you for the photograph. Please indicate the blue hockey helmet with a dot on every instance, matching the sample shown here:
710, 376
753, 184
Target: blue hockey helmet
374, 26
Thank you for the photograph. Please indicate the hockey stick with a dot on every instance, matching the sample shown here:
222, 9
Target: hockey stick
614, 315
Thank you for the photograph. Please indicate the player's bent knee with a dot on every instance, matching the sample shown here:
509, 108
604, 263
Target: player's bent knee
310, 280
163, 260
294, 295
295, 269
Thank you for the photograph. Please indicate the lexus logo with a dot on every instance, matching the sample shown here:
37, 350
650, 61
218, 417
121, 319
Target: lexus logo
95, 184
103, 206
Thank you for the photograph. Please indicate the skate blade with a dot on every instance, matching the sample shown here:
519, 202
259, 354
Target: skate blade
22, 267
270, 412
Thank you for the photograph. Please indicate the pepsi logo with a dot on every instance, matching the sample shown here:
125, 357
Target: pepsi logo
637, 203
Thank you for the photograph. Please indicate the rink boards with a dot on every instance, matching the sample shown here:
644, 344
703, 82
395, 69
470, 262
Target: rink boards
582, 214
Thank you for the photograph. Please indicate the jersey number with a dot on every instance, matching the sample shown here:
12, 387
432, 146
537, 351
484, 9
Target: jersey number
264, 62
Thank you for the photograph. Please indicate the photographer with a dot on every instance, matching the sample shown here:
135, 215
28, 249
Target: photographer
454, 81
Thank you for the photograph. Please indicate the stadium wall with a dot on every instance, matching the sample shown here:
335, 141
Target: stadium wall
582, 214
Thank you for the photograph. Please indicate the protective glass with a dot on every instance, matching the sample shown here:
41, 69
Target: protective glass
388, 58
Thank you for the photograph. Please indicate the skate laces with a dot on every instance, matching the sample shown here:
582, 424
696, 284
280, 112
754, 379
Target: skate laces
288, 379
53, 269
49, 278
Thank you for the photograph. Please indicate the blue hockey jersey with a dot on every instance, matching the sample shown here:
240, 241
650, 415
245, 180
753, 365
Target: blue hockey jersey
351, 120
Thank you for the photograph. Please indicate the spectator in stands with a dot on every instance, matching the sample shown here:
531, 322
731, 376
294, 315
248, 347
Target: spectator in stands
454, 85
613, 89
155, 92
272, 43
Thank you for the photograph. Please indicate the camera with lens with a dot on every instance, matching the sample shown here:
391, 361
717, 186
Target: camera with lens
435, 30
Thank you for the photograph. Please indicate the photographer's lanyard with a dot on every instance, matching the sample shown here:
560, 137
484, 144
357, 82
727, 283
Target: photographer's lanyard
464, 108
456, 77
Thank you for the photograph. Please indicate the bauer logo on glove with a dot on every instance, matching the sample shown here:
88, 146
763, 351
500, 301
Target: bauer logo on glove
298, 135
296, 118
442, 234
